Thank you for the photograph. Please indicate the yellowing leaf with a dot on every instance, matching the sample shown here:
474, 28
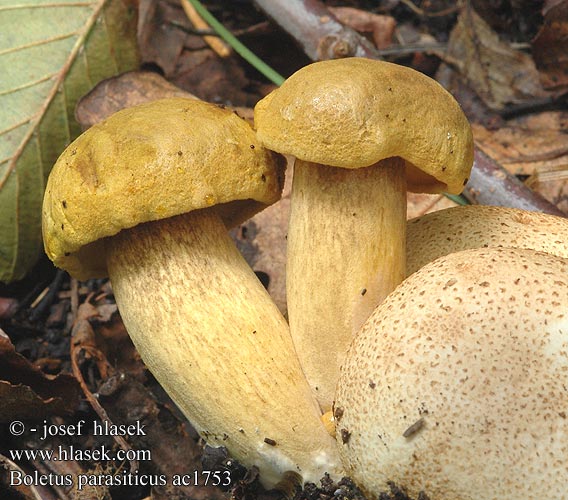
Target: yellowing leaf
51, 53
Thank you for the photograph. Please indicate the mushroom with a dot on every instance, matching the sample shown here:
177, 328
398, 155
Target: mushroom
147, 196
456, 385
475, 226
386, 126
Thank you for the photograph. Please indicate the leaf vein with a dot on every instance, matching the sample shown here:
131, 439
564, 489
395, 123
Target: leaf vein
27, 85
37, 43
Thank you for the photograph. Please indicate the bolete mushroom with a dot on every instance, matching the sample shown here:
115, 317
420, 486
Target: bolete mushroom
387, 127
456, 385
475, 226
147, 196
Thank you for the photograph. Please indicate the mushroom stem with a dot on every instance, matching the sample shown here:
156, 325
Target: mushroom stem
209, 332
346, 253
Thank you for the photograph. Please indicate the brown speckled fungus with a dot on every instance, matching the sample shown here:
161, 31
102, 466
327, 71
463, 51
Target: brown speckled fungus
122, 200
477, 226
474, 345
387, 127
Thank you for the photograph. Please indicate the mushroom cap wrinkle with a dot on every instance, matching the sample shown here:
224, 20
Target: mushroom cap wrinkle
474, 226
151, 162
355, 112
456, 385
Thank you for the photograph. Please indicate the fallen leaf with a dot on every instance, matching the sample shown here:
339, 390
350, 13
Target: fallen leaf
8, 307
50, 54
122, 91
550, 46
533, 145
380, 27
499, 74
26, 393
162, 37
130, 89
527, 144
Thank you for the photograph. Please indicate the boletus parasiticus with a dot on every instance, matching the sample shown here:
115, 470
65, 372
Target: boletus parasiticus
362, 132
456, 385
146, 197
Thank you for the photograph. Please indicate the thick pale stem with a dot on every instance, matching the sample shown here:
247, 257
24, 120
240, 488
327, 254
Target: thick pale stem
209, 332
346, 253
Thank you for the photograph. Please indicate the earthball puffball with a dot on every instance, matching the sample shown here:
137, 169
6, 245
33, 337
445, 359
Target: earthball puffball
457, 385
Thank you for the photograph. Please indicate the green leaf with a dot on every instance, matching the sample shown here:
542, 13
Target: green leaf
51, 53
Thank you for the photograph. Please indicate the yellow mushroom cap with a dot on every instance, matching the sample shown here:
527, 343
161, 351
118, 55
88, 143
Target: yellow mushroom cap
150, 162
456, 385
474, 226
355, 112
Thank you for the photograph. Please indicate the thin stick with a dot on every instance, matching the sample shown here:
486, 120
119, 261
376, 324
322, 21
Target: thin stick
216, 44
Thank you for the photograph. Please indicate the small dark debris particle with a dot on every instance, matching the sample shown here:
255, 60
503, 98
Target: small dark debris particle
252, 146
484, 284
254, 331
372, 384
67, 254
338, 413
73, 152
345, 436
269, 441
414, 428
221, 106
180, 153
225, 437
444, 169
64, 203
465, 181
263, 178
244, 231
363, 291
62, 227
562, 414
390, 89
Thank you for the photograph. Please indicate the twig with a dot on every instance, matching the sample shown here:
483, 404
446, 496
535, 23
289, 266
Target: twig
217, 45
317, 30
44, 301
81, 336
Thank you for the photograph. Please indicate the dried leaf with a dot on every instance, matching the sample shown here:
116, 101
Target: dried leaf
26, 393
550, 47
536, 146
161, 38
381, 27
499, 74
122, 91
8, 307
50, 54
527, 144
